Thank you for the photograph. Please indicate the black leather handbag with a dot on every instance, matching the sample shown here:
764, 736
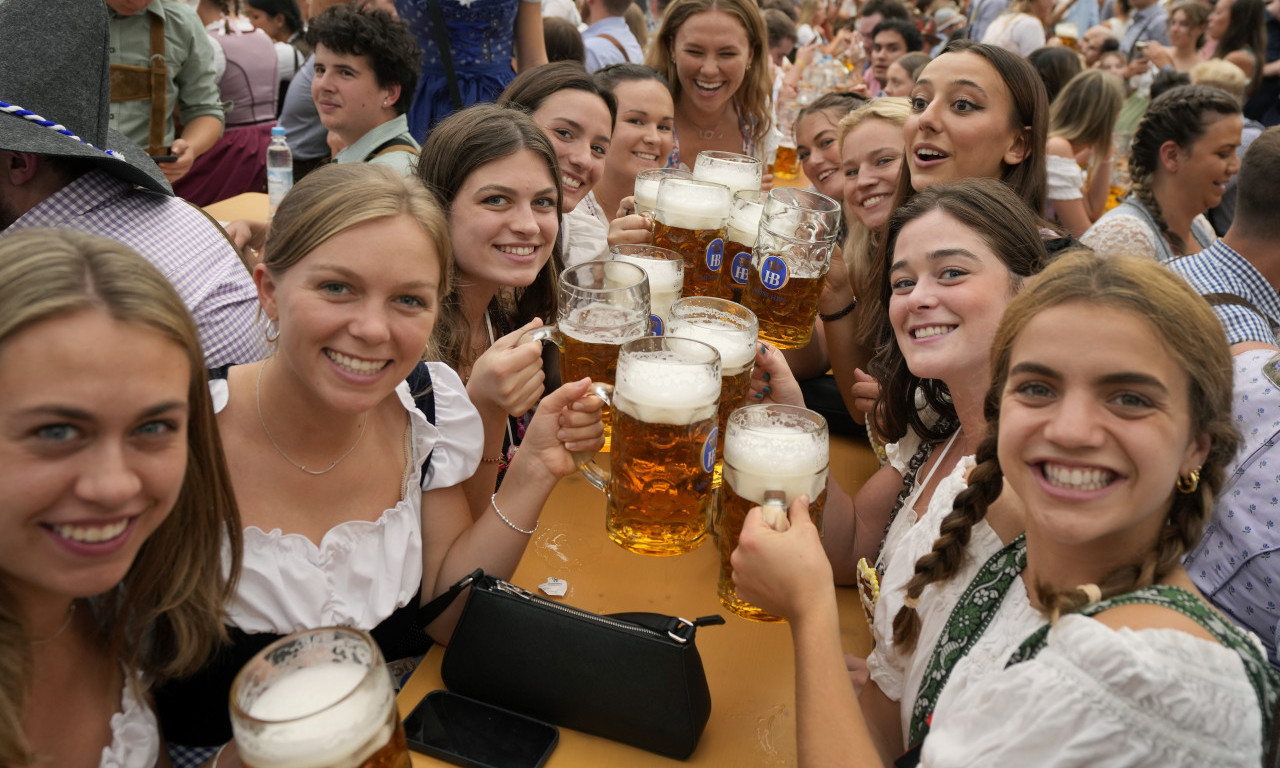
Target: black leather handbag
636, 678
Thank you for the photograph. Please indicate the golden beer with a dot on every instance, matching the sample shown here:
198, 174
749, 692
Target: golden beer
703, 252
786, 163
318, 699
768, 449
1068, 32
786, 313
740, 240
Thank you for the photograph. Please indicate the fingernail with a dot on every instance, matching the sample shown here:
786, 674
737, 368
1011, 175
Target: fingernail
766, 376
768, 389
758, 395
763, 349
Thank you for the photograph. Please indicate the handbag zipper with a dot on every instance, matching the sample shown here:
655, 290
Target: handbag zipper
512, 589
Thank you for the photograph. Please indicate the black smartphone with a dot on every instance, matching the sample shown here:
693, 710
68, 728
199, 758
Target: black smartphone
478, 735
164, 158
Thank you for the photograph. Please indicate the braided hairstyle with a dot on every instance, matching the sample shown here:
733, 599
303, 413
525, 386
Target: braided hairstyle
1190, 333
1181, 115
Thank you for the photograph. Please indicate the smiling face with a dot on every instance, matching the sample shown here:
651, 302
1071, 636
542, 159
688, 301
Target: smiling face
819, 151
886, 48
1205, 170
1095, 429
642, 137
347, 95
711, 52
962, 122
355, 314
1219, 19
577, 122
949, 290
504, 221
898, 82
871, 160
92, 452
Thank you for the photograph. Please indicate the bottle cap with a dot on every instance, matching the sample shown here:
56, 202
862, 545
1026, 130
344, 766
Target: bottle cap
277, 130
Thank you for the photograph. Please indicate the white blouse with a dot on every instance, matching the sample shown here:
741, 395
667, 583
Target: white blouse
1066, 178
586, 232
135, 735
362, 571
1097, 696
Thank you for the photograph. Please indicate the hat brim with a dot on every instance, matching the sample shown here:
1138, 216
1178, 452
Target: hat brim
130, 163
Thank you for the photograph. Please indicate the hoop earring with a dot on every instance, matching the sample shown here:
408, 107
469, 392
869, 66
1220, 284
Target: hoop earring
1190, 483
271, 325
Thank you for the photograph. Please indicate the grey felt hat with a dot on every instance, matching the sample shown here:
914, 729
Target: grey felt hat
55, 88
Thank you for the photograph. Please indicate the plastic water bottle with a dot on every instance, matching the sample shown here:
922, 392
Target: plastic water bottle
279, 168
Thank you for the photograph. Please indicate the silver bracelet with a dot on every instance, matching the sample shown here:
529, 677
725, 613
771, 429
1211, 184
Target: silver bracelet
218, 756
493, 502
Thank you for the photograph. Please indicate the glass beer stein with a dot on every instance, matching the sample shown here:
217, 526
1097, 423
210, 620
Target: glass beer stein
647, 182
599, 305
664, 445
740, 240
737, 172
731, 329
789, 264
770, 451
666, 277
318, 699
690, 220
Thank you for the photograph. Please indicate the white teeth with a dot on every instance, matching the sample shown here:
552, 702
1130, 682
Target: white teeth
870, 201
931, 330
929, 153
517, 250
90, 534
355, 365
1076, 478
825, 174
704, 85
570, 183
645, 156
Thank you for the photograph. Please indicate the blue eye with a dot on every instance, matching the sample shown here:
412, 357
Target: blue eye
1035, 389
57, 432
157, 428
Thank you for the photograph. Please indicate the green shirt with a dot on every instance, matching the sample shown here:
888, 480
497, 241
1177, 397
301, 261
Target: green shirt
188, 51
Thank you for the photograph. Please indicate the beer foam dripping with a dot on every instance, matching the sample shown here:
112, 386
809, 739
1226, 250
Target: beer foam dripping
737, 349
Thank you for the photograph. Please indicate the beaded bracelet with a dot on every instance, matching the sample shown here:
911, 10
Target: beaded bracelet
493, 502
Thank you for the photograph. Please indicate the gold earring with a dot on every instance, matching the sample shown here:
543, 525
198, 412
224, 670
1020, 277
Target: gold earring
1190, 483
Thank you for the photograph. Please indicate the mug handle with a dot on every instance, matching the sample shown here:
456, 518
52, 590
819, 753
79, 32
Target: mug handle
587, 461
544, 333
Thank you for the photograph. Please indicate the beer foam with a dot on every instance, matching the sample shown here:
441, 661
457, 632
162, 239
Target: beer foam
694, 206
770, 455
663, 273
599, 323
343, 723
737, 347
744, 223
734, 175
647, 194
663, 388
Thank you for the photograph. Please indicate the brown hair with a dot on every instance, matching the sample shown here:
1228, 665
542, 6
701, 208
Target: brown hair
1190, 333
753, 95
166, 616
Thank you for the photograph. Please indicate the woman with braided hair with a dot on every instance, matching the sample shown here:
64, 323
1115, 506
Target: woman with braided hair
1182, 156
1109, 417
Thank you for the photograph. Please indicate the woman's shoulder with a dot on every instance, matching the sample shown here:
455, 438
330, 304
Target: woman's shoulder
1121, 231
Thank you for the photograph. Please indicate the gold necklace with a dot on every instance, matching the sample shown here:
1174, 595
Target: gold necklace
71, 612
279, 450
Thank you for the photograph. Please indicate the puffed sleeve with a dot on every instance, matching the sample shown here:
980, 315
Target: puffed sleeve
460, 441
1096, 696
1066, 180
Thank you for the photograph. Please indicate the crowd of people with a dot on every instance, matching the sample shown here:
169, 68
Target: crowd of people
1053, 311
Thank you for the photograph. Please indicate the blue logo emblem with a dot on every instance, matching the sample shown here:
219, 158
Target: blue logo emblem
655, 325
715, 254
709, 450
739, 267
773, 273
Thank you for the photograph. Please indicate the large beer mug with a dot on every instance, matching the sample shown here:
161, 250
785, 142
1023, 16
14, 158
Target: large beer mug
789, 264
599, 305
690, 220
664, 445
771, 452
647, 182
666, 277
735, 171
731, 329
740, 240
318, 699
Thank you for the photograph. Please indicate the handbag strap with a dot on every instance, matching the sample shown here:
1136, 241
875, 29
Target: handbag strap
1262, 677
441, 35
432, 610
970, 618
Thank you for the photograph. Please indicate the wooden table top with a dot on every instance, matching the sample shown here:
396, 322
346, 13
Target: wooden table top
749, 665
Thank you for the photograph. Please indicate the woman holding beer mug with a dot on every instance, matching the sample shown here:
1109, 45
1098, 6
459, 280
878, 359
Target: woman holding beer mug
116, 494
642, 134
1111, 422
715, 55
577, 114
349, 494
494, 171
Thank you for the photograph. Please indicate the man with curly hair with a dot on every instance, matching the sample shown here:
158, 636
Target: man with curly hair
366, 69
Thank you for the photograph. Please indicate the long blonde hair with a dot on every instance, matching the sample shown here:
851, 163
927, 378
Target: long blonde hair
166, 616
1085, 112
860, 245
754, 94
